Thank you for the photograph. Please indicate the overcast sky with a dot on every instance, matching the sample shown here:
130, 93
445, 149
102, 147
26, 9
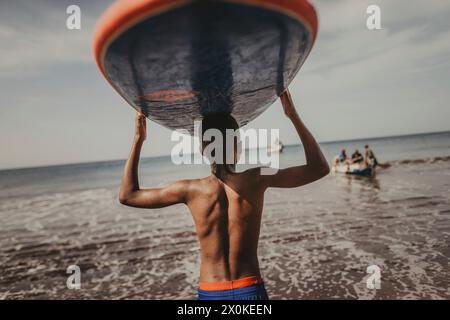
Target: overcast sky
56, 108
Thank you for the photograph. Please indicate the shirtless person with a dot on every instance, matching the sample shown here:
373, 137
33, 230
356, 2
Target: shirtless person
226, 207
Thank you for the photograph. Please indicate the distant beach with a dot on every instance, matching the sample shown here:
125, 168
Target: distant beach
316, 241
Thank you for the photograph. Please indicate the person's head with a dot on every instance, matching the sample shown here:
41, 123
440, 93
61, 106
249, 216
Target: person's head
222, 147
366, 146
343, 151
356, 151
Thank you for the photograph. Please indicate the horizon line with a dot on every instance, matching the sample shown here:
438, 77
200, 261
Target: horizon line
166, 155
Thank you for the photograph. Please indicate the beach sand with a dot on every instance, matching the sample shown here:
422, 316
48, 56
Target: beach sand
316, 241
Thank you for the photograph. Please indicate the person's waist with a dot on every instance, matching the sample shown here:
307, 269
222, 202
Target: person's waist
230, 284
238, 263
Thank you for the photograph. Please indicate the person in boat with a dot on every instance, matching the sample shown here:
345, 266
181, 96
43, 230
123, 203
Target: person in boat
280, 145
342, 157
276, 146
370, 158
226, 206
357, 157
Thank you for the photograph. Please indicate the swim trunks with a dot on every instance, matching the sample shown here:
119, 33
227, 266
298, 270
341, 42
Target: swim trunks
249, 288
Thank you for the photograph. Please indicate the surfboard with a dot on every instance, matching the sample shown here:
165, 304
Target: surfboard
179, 60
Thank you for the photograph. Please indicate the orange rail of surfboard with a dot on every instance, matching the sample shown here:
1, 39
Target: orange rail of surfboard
125, 12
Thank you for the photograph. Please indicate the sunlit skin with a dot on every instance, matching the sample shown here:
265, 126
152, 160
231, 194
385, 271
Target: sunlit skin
226, 208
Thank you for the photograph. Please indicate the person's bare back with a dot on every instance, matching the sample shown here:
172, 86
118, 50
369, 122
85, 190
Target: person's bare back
226, 207
227, 216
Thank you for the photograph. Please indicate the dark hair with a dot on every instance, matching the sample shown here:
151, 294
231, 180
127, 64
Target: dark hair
366, 146
221, 122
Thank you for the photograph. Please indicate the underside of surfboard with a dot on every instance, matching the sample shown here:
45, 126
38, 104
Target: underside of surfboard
177, 60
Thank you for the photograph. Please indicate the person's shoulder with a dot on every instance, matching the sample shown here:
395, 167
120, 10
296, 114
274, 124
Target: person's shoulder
251, 172
194, 184
203, 188
187, 187
187, 183
257, 174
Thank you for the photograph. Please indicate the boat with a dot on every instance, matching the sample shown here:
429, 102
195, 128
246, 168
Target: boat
358, 169
276, 146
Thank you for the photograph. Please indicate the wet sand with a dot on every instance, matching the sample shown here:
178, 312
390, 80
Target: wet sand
316, 241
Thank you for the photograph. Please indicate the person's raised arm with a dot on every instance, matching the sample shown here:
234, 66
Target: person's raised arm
316, 165
130, 193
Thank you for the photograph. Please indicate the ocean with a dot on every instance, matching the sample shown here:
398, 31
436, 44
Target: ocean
316, 241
